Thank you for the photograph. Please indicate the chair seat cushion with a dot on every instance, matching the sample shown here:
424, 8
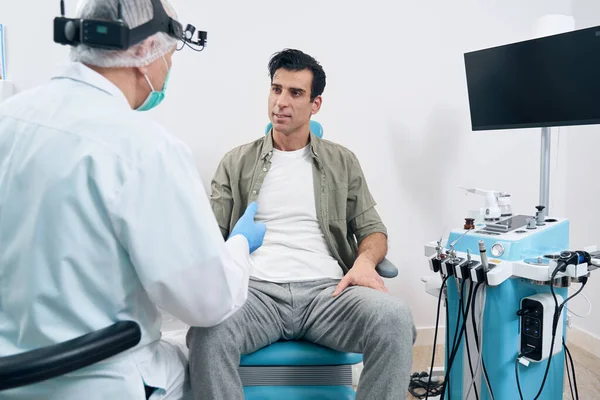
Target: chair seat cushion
298, 352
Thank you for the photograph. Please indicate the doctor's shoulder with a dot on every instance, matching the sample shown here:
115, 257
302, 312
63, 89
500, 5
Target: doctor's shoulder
140, 136
19, 103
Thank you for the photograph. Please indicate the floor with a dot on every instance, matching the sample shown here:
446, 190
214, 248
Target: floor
587, 368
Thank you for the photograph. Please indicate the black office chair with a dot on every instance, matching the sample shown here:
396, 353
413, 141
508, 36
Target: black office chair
52, 361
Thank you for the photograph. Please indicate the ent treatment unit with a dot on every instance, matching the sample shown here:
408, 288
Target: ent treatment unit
504, 277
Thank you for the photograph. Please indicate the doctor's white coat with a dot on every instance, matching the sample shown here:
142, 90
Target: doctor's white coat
102, 218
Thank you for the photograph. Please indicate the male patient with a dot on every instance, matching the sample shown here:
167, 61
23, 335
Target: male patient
314, 277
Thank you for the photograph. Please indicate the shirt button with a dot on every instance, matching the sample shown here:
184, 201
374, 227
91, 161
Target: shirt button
265, 169
254, 192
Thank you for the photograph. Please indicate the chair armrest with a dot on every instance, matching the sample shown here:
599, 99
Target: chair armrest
59, 359
386, 269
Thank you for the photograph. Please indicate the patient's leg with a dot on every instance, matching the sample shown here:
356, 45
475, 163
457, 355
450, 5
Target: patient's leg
215, 351
377, 324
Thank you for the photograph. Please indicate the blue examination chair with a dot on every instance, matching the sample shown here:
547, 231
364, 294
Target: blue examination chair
300, 370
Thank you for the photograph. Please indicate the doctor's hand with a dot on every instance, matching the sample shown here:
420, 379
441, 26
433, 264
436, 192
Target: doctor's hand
362, 273
253, 231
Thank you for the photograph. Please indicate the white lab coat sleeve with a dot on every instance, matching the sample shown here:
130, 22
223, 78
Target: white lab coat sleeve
163, 220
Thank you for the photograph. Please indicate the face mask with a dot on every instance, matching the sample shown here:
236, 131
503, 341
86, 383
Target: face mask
155, 98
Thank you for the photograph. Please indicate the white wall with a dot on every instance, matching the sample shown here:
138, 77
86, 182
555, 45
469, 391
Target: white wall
396, 95
582, 170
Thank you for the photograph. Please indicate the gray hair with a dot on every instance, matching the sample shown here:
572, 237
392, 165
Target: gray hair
135, 13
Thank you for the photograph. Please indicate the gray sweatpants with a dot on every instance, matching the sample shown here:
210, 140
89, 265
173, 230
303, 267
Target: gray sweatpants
359, 320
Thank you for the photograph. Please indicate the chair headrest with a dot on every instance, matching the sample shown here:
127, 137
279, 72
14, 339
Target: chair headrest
315, 127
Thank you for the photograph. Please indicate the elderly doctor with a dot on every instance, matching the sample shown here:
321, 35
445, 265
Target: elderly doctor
103, 218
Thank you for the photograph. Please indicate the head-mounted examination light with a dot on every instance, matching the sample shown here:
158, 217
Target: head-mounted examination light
116, 35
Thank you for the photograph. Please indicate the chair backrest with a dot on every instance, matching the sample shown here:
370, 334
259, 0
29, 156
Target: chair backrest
315, 127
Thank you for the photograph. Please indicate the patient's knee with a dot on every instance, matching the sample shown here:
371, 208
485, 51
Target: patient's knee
212, 339
394, 322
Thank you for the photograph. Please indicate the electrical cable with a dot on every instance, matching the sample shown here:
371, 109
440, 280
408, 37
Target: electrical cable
569, 373
449, 352
573, 369
554, 325
589, 309
478, 332
437, 322
529, 350
455, 342
447, 348
421, 388
475, 336
485, 374
517, 375
456, 346
555, 320
185, 43
460, 290
458, 315
465, 317
188, 45
584, 281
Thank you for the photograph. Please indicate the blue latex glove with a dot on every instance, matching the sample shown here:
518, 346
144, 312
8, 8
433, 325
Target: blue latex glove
253, 231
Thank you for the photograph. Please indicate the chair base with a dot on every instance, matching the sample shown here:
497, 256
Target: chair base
317, 375
298, 370
299, 393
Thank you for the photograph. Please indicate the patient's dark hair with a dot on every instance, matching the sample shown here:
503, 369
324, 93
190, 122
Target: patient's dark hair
295, 60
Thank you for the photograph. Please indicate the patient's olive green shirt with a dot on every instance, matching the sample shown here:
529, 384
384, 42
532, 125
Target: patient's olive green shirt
345, 207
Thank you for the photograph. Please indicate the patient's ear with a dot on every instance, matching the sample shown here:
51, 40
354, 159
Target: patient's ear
316, 105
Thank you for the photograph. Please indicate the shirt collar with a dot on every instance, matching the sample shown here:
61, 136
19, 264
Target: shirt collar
267, 147
81, 73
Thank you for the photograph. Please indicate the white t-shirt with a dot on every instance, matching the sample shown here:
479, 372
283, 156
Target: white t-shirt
294, 248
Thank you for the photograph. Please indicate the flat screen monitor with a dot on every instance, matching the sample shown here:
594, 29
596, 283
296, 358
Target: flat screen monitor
543, 82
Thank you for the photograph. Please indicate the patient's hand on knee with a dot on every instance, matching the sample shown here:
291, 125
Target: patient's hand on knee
362, 273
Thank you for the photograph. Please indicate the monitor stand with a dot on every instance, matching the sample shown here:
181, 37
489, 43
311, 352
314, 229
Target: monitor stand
545, 170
